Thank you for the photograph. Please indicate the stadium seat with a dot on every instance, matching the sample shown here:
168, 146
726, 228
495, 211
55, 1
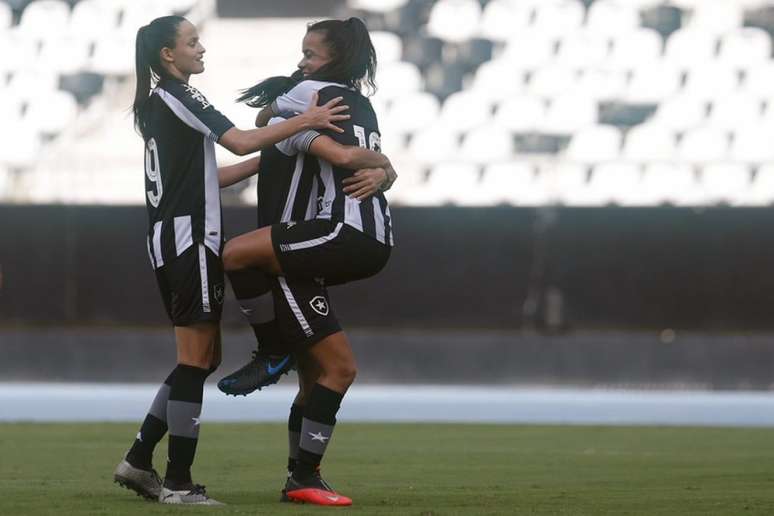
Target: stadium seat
558, 17
453, 183
398, 78
715, 17
613, 183
725, 183
649, 143
54, 115
501, 20
552, 81
687, 47
752, 144
568, 114
602, 84
637, 47
376, 5
761, 192
745, 47
514, 183
91, 20
44, 19
20, 148
735, 112
498, 79
434, 144
67, 54
520, 114
388, 46
651, 84
454, 20
681, 113
529, 50
594, 144
582, 50
566, 182
465, 110
668, 183
703, 145
609, 17
31, 84
6, 16
711, 81
487, 145
412, 112
113, 57
758, 81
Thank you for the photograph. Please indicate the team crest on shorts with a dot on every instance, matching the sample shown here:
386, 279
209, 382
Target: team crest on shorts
218, 291
319, 305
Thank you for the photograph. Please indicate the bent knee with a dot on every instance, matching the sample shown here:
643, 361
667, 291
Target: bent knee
344, 373
230, 257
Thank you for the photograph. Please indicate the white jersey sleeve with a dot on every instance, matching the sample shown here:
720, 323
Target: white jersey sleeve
299, 142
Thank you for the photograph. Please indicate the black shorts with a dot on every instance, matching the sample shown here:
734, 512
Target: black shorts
192, 286
330, 251
314, 254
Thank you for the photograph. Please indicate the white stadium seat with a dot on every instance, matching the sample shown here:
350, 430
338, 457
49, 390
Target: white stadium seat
612, 17
711, 81
681, 113
638, 47
583, 50
703, 145
376, 5
465, 110
686, 47
67, 54
412, 112
20, 148
595, 144
649, 142
388, 46
6, 16
398, 78
758, 81
552, 81
667, 183
520, 114
113, 57
752, 144
502, 19
602, 84
30, 84
53, 113
745, 47
558, 17
651, 84
454, 20
487, 145
569, 113
725, 183
498, 79
613, 183
761, 192
529, 50
716, 16
91, 20
452, 183
434, 144
566, 182
514, 183
735, 112
45, 19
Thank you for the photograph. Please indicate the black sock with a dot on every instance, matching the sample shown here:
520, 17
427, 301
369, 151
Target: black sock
295, 420
253, 290
316, 429
154, 427
183, 410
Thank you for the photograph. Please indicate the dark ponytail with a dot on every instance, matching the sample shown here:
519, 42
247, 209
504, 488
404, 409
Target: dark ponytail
353, 62
151, 38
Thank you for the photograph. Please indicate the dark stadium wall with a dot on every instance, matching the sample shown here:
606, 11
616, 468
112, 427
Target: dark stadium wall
491, 268
274, 9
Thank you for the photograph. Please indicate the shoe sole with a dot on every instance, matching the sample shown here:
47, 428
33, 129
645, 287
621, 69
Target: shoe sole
134, 486
315, 496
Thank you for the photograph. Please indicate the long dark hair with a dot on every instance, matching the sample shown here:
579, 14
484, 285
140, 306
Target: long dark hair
151, 38
353, 62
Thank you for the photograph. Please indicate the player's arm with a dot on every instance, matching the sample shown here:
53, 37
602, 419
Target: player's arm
371, 166
243, 142
233, 174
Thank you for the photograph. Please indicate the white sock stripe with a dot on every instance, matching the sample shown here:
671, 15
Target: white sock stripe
294, 307
314, 242
203, 276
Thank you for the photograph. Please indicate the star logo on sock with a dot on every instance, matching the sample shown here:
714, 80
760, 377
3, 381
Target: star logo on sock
196, 421
318, 437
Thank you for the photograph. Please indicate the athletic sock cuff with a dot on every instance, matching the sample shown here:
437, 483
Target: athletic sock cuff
323, 404
188, 384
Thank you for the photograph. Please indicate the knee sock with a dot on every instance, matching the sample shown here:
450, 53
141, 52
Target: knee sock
153, 428
183, 410
252, 289
316, 429
295, 420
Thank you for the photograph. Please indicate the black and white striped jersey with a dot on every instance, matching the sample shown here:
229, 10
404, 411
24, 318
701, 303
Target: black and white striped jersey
287, 184
181, 175
371, 216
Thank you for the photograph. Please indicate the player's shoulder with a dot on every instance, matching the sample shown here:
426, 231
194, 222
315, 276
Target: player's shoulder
183, 92
306, 89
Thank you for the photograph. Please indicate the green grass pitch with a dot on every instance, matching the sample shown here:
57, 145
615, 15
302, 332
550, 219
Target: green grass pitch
411, 469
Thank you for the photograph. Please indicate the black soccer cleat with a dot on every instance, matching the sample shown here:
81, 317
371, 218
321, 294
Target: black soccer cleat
262, 370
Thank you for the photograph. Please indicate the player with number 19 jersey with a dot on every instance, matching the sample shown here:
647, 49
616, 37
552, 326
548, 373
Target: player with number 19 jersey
185, 234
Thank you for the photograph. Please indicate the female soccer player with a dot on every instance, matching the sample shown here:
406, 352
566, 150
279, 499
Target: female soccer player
349, 238
179, 127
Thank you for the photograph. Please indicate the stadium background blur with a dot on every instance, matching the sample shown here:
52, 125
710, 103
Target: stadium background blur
584, 192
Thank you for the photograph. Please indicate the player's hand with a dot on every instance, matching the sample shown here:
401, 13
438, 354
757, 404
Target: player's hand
364, 183
323, 117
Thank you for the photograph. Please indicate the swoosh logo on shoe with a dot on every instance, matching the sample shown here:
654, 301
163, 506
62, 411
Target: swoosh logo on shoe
280, 365
333, 498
